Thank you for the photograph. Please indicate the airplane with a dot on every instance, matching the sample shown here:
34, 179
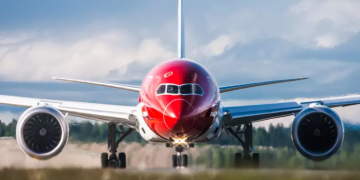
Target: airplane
179, 106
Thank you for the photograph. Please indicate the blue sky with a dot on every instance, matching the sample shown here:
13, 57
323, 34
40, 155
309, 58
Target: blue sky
238, 41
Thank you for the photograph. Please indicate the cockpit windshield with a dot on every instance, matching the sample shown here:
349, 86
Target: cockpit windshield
185, 89
161, 89
172, 89
197, 89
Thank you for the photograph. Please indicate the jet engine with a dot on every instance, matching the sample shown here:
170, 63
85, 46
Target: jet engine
42, 132
317, 132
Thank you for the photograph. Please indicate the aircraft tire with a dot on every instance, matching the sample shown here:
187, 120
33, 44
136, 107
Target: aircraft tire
185, 160
238, 160
174, 161
256, 160
104, 160
122, 160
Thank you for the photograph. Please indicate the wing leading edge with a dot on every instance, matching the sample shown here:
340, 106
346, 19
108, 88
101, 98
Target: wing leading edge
244, 114
112, 85
250, 85
93, 111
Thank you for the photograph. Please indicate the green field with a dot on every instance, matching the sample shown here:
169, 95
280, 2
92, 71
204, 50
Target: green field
112, 174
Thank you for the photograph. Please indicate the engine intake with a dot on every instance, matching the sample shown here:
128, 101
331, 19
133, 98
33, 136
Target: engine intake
42, 132
317, 132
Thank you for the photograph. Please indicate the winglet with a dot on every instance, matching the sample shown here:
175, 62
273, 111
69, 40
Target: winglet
117, 86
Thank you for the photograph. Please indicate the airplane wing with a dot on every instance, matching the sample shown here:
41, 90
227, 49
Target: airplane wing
112, 85
250, 85
99, 112
245, 114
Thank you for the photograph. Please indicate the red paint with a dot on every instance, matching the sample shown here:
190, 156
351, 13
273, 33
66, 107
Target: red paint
179, 115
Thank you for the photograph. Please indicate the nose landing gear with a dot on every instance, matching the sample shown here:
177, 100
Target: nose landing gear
249, 159
113, 160
180, 160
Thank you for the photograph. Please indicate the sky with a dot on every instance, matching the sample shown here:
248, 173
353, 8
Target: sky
238, 41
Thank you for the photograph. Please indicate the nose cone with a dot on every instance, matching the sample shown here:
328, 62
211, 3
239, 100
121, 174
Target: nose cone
179, 116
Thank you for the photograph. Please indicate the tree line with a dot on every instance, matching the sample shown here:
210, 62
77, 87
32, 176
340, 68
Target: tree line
276, 136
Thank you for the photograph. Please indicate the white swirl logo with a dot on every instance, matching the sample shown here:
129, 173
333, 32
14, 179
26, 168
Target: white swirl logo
317, 132
42, 132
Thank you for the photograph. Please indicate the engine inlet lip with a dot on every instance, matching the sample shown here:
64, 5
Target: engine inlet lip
339, 126
46, 110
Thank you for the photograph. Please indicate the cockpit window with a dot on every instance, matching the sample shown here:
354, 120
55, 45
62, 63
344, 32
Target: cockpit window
198, 90
161, 89
186, 89
172, 89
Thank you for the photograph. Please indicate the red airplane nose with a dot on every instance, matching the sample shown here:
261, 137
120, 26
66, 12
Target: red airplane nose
178, 116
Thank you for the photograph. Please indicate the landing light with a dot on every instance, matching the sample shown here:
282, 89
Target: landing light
214, 112
180, 141
145, 114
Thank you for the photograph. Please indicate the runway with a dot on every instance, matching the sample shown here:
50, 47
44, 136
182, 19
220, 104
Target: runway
87, 155
145, 162
171, 174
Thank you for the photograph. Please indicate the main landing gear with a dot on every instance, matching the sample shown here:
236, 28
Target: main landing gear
247, 158
113, 160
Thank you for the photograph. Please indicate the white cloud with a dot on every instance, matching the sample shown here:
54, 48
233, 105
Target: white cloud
5, 39
310, 23
327, 41
327, 22
36, 56
87, 57
341, 12
217, 46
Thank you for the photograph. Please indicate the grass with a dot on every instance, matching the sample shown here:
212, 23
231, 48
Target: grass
111, 174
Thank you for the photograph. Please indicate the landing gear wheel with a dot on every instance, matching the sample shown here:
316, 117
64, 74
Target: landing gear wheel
174, 161
184, 160
238, 160
104, 160
256, 160
122, 160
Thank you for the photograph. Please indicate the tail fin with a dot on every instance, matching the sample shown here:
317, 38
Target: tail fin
181, 35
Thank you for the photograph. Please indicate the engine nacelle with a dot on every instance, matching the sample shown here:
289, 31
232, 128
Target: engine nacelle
42, 132
317, 132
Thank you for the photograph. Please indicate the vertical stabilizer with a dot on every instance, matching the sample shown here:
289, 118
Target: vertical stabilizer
181, 35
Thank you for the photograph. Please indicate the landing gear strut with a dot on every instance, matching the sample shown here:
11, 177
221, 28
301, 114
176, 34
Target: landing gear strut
247, 159
113, 160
